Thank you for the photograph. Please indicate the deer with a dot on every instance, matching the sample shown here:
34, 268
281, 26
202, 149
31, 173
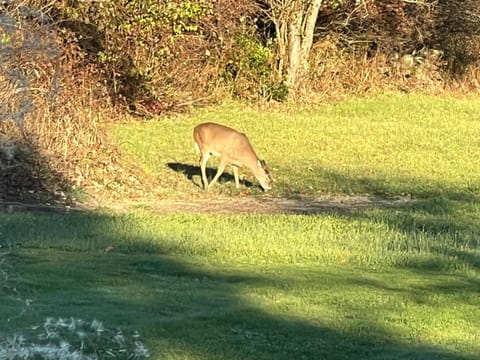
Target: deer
233, 148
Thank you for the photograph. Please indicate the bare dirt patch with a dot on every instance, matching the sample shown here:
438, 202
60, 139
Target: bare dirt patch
276, 205
233, 205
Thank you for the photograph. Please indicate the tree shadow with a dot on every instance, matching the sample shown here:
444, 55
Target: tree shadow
387, 188
444, 215
27, 179
190, 308
190, 171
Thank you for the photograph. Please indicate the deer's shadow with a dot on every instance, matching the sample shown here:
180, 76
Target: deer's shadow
190, 171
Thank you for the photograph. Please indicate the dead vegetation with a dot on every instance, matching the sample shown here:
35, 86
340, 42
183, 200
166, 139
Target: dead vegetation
429, 46
53, 148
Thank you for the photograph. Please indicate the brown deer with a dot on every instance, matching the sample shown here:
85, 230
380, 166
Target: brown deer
233, 148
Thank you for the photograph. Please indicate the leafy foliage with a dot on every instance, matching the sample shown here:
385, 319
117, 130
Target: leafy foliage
250, 71
134, 40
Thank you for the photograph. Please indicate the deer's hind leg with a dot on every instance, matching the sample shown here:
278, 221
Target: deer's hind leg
203, 168
221, 169
235, 174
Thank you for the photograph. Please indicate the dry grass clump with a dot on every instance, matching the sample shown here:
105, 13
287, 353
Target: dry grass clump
337, 72
61, 151
73, 339
52, 144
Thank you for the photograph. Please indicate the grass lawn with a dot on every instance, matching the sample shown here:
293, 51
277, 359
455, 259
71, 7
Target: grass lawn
388, 145
382, 282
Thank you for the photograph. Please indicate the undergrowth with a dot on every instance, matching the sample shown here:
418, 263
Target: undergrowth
62, 83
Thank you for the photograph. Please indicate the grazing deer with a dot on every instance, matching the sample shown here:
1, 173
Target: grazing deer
233, 148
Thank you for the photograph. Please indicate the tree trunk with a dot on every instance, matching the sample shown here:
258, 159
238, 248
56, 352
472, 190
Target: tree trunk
301, 28
294, 22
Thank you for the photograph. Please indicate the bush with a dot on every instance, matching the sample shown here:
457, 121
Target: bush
249, 70
156, 55
397, 45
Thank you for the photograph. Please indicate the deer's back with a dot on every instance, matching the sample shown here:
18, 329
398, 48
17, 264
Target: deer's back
224, 141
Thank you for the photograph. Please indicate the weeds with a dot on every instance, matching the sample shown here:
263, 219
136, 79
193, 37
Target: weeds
73, 339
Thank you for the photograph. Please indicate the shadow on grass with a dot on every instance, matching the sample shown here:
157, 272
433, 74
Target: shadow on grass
190, 171
184, 307
437, 211
28, 179
394, 186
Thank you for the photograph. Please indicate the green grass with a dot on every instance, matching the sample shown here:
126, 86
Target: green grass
368, 238
272, 287
386, 145
392, 281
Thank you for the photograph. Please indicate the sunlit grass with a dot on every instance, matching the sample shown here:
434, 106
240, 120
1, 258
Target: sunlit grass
407, 237
386, 145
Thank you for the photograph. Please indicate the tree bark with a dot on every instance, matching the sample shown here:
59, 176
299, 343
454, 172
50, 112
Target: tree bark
301, 28
294, 22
